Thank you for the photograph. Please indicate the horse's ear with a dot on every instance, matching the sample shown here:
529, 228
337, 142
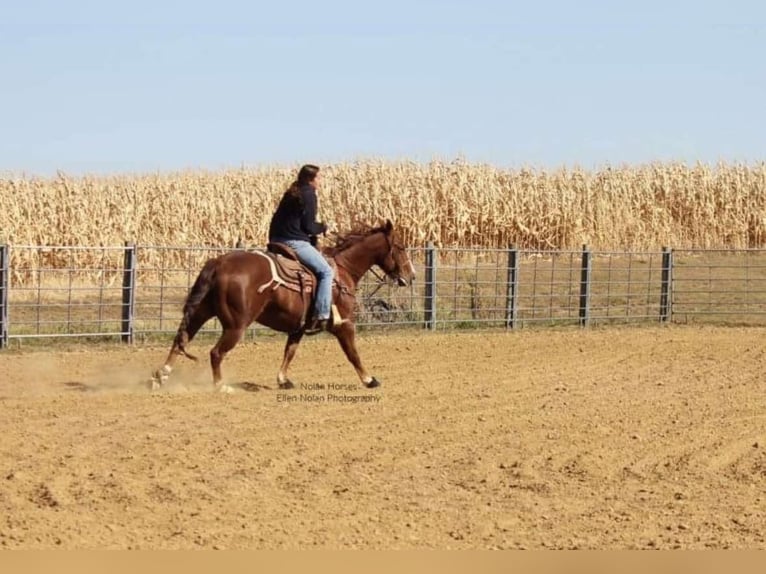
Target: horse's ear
389, 226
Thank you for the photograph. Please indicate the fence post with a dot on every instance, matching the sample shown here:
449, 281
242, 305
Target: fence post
4, 286
128, 292
585, 287
666, 298
511, 295
430, 297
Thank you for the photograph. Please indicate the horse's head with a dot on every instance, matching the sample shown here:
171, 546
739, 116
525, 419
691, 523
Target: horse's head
365, 247
394, 260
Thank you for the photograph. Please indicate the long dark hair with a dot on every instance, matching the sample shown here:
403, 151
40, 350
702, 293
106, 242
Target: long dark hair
306, 175
292, 200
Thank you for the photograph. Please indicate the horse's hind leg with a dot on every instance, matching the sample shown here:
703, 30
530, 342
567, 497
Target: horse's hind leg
228, 340
198, 319
293, 340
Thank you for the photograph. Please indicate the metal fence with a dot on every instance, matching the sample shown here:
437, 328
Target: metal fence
136, 291
720, 286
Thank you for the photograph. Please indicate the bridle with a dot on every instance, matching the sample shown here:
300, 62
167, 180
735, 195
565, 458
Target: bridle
382, 280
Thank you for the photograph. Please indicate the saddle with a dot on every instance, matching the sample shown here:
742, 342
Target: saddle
291, 271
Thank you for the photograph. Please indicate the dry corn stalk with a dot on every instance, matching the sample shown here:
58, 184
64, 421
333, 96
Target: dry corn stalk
455, 204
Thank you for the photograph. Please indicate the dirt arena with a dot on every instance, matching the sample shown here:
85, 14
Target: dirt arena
636, 437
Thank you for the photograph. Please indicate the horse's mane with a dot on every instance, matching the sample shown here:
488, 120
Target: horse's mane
351, 238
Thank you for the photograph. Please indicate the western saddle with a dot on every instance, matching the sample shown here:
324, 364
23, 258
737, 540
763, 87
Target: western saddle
291, 271
292, 274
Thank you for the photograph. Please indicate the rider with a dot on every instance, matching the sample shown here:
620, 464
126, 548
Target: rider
294, 224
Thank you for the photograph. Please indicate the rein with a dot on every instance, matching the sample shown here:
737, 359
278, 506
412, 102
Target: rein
381, 282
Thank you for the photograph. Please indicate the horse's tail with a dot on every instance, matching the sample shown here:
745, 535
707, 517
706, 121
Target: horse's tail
198, 292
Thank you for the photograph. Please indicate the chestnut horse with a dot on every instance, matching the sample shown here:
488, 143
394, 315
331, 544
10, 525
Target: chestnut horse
230, 287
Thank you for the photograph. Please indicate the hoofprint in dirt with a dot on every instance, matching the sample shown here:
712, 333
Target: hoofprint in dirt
605, 438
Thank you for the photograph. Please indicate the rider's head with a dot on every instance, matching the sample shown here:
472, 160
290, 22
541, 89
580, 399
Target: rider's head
308, 174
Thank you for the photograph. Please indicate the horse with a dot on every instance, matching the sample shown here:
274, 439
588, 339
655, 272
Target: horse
241, 287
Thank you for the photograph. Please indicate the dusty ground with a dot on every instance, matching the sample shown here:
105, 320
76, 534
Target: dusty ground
609, 438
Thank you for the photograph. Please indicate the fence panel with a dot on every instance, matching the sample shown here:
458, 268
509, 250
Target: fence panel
63, 291
471, 287
549, 287
625, 286
719, 286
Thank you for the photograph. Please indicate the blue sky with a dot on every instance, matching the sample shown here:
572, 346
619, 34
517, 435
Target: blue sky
139, 86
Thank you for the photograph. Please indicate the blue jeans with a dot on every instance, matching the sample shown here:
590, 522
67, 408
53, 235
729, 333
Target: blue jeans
315, 261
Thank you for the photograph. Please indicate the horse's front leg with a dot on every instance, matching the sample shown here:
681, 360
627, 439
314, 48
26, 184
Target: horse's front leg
293, 340
345, 334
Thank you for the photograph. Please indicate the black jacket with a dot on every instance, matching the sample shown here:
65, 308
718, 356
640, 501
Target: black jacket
295, 217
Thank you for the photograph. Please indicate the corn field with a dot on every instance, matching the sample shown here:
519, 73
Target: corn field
455, 204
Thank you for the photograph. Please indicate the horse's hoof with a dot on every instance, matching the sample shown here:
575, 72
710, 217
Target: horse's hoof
157, 381
225, 389
373, 383
286, 385
159, 378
